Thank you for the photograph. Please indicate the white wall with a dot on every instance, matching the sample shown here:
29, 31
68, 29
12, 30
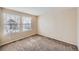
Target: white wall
0, 22
78, 27
60, 25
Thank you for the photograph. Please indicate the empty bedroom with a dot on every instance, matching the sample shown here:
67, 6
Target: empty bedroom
39, 29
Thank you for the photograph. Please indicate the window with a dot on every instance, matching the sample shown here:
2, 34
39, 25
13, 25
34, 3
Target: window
12, 23
26, 21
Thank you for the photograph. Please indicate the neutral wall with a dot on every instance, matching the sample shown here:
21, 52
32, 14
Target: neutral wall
60, 25
19, 35
78, 27
0, 23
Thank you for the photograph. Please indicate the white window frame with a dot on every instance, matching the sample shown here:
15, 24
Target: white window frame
27, 21
14, 17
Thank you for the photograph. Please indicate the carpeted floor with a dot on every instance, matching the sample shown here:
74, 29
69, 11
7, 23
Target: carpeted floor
38, 43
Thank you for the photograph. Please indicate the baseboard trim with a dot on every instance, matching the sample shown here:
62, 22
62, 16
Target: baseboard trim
16, 40
74, 46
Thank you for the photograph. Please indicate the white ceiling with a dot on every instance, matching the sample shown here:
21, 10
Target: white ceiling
38, 10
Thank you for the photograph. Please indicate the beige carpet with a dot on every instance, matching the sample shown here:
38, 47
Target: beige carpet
38, 43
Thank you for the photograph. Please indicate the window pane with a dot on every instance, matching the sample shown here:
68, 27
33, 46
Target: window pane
12, 23
26, 23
